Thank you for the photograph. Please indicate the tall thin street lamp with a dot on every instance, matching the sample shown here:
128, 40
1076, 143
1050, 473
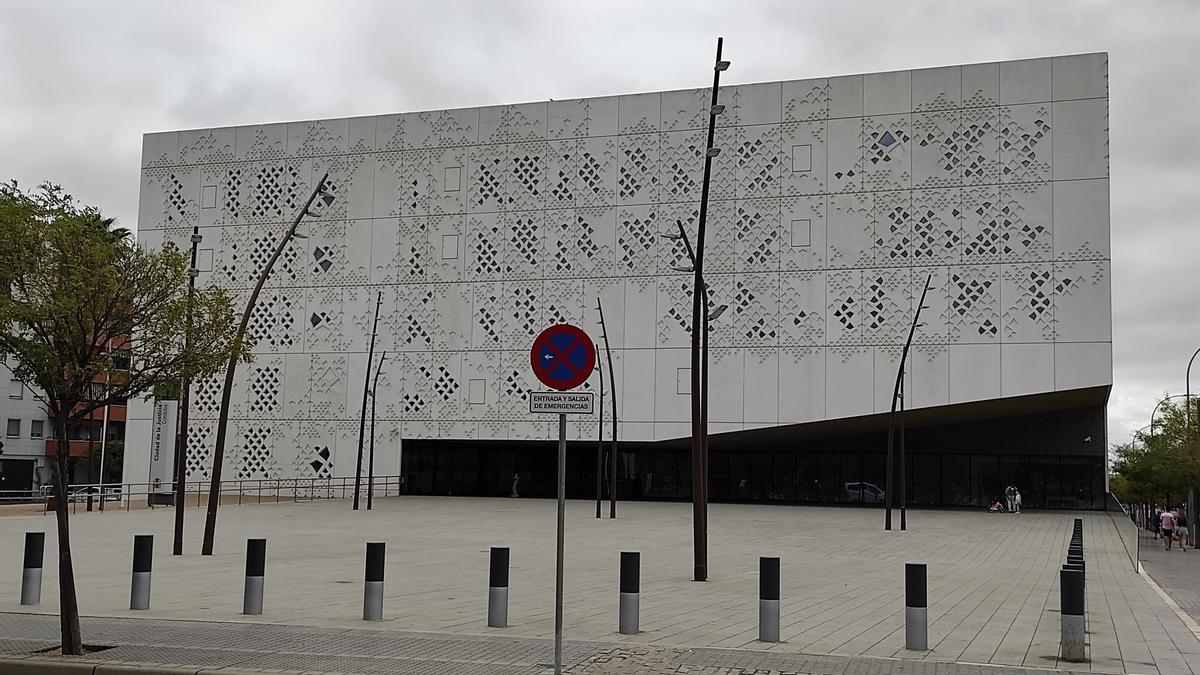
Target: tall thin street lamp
897, 397
710, 314
699, 462
184, 401
1187, 409
362, 421
600, 440
214, 488
1188, 392
612, 385
371, 453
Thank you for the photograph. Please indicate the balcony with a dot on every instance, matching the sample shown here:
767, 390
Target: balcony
75, 448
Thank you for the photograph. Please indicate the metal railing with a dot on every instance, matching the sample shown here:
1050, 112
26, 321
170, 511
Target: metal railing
126, 496
1127, 528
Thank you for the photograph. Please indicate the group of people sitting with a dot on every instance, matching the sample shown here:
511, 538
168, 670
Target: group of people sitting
1172, 526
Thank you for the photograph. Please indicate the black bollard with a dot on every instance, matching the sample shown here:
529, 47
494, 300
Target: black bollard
768, 599
256, 564
31, 576
1071, 607
498, 588
629, 613
143, 558
373, 588
916, 607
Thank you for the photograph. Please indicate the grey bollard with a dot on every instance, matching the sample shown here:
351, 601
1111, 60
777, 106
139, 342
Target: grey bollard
629, 615
1071, 607
498, 588
768, 599
31, 575
143, 557
916, 607
373, 588
256, 566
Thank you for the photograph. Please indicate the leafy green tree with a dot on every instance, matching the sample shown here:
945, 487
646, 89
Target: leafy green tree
76, 298
1162, 462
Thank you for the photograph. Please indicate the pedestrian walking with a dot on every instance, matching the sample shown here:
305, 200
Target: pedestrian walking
1168, 528
1017, 499
1182, 534
1157, 522
1010, 496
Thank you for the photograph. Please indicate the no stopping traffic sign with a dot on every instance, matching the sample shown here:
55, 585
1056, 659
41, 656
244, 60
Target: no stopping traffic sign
562, 357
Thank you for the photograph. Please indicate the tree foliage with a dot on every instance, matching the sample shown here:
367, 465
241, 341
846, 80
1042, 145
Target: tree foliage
93, 319
1162, 462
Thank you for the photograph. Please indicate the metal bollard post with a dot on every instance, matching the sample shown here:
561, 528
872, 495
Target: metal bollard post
373, 591
31, 576
143, 557
498, 588
629, 614
1071, 608
768, 599
916, 607
256, 566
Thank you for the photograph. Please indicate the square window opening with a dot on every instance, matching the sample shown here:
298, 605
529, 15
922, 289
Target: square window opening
801, 233
683, 381
801, 158
449, 247
453, 179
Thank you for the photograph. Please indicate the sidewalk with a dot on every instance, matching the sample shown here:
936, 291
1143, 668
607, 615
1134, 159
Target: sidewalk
193, 646
1176, 572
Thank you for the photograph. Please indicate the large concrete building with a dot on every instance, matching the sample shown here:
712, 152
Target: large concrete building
833, 200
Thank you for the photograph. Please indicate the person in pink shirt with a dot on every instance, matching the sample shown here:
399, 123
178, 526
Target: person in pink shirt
1168, 528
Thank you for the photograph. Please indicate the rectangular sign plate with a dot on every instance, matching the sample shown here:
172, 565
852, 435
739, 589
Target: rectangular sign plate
556, 402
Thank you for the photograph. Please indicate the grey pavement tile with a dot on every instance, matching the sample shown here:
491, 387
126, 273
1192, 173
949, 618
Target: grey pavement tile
992, 587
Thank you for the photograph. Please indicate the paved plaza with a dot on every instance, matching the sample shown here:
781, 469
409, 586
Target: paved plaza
993, 593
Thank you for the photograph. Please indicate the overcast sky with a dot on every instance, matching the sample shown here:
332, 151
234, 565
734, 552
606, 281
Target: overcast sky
80, 82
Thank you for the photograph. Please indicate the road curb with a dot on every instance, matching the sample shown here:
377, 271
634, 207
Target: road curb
59, 665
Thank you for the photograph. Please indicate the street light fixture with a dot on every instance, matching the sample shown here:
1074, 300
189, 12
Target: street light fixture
898, 398
699, 341
185, 398
214, 488
612, 382
362, 422
371, 454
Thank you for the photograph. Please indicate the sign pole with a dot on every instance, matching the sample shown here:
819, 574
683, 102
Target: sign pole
558, 573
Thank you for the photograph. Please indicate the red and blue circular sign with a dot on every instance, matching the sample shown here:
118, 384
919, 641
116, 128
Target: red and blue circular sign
562, 356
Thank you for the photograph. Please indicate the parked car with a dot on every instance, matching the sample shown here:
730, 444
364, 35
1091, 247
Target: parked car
867, 493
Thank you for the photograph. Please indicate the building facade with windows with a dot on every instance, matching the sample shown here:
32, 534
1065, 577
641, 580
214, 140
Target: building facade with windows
30, 444
834, 200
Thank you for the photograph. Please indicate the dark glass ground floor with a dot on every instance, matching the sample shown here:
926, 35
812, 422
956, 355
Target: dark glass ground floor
1051, 447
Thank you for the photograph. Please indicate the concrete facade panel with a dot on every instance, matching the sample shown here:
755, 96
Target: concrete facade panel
832, 202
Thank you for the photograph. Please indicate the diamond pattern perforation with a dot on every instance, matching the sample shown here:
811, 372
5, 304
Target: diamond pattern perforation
483, 226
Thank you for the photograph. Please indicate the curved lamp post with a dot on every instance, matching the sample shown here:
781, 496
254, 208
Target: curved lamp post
1187, 388
1156, 407
214, 488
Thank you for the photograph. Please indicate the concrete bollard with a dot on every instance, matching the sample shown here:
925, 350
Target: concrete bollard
143, 558
916, 607
31, 576
256, 564
629, 614
1071, 608
768, 599
373, 588
498, 588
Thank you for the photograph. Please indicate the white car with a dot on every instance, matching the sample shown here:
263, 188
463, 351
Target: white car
867, 493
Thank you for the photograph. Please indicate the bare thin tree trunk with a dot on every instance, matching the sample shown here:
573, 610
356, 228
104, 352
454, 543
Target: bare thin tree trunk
68, 604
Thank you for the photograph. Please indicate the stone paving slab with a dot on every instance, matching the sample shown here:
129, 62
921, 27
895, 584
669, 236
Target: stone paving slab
993, 581
159, 644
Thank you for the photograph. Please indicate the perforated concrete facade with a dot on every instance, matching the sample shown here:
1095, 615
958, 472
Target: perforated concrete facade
832, 201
